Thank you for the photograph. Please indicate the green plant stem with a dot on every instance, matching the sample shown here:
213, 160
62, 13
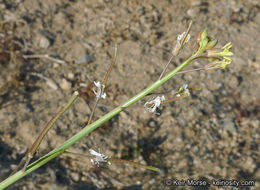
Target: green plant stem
93, 111
89, 128
31, 152
52, 122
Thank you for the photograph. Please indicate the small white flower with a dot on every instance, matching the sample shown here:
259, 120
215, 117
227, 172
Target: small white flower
153, 104
180, 38
100, 90
183, 90
98, 157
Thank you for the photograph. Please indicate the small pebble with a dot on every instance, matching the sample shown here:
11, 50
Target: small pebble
85, 59
13, 166
192, 12
75, 176
65, 85
70, 76
229, 125
194, 2
51, 84
56, 65
44, 42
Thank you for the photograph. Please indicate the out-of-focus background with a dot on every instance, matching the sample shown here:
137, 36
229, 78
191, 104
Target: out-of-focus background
50, 48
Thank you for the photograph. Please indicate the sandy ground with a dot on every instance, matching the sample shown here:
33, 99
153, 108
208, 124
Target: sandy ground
213, 134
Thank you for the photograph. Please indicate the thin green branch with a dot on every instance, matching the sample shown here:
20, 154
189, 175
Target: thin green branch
93, 110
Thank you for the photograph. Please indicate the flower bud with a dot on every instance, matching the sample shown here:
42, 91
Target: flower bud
223, 52
202, 40
204, 35
211, 44
222, 64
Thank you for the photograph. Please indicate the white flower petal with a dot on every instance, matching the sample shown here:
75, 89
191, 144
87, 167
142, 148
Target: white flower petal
155, 104
98, 157
99, 93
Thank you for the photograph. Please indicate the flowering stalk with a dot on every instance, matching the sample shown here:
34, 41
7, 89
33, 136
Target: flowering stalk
89, 128
182, 39
102, 158
101, 87
202, 46
153, 104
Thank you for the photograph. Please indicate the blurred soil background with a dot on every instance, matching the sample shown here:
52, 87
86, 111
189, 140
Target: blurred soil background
50, 48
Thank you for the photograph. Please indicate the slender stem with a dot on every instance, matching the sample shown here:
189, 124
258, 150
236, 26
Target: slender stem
89, 128
93, 110
186, 33
117, 160
18, 175
176, 49
191, 70
24, 159
173, 99
166, 66
110, 67
51, 123
180, 43
198, 69
31, 152
103, 85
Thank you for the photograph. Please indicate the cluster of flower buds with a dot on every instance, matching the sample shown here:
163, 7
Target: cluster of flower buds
218, 57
